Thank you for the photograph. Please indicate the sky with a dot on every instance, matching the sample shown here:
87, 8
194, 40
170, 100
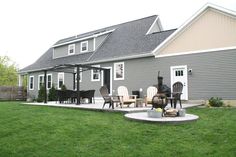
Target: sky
29, 27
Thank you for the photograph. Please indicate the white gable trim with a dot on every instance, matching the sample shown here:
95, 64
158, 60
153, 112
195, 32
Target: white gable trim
191, 20
198, 51
156, 21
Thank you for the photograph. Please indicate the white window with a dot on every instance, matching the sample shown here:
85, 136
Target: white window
40, 81
84, 46
49, 81
60, 80
71, 49
31, 83
95, 74
119, 71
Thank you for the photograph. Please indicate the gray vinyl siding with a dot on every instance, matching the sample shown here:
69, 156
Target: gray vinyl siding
62, 51
213, 74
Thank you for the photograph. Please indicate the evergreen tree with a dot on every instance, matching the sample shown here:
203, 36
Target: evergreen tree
52, 95
41, 94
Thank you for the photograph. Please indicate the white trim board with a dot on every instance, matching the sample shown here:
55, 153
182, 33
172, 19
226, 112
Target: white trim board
197, 51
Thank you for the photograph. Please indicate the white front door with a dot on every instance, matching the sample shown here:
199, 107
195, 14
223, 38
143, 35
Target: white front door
180, 74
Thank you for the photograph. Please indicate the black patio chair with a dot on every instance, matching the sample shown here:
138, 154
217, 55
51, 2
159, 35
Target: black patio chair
176, 94
107, 98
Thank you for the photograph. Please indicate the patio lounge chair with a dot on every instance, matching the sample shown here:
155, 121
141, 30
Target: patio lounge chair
108, 99
151, 91
176, 94
125, 98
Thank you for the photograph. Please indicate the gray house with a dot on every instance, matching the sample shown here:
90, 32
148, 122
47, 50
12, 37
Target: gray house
201, 54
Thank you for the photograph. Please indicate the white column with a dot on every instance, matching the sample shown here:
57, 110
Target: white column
20, 80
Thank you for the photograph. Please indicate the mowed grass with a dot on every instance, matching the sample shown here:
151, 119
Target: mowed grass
38, 131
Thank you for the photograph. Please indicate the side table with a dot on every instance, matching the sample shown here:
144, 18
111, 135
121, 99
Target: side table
139, 102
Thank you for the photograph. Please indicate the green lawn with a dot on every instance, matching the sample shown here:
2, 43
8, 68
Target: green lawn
32, 131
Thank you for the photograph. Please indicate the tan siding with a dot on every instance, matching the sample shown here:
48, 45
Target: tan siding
211, 30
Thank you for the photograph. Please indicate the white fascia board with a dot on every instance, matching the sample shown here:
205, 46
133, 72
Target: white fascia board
197, 51
85, 38
188, 22
156, 21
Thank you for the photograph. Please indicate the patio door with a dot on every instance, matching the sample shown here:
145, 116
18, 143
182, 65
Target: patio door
179, 74
107, 78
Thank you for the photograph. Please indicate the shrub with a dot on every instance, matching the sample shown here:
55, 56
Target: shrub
216, 102
63, 87
41, 94
52, 94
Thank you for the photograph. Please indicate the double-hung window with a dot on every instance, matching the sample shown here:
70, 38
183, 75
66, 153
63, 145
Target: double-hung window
84, 46
40, 81
60, 80
119, 71
31, 83
49, 81
95, 74
71, 49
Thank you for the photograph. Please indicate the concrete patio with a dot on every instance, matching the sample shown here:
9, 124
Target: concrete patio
98, 106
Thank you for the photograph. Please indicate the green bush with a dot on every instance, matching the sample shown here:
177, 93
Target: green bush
216, 102
52, 94
63, 87
41, 94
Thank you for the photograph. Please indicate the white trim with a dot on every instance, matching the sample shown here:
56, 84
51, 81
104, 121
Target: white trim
197, 51
85, 38
94, 44
99, 75
20, 80
123, 77
188, 22
31, 76
71, 46
63, 76
81, 48
157, 22
47, 81
39, 80
102, 79
172, 81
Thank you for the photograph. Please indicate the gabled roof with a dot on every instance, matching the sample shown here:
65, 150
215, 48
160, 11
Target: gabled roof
187, 24
125, 41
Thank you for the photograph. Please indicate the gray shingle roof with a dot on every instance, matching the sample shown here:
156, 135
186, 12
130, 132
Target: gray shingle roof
128, 39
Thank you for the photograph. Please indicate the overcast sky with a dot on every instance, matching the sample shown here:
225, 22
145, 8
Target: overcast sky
29, 27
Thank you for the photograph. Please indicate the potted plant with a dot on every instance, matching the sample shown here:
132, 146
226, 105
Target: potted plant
155, 113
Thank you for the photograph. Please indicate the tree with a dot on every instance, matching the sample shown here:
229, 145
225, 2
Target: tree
8, 72
52, 95
41, 94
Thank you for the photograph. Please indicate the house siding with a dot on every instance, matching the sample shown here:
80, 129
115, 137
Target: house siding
211, 30
62, 51
213, 74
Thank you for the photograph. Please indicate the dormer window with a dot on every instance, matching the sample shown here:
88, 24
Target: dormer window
71, 49
84, 46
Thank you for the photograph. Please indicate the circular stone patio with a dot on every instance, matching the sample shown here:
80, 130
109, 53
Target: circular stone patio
142, 116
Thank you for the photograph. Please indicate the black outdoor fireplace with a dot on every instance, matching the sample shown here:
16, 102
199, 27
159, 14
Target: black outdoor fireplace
160, 99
